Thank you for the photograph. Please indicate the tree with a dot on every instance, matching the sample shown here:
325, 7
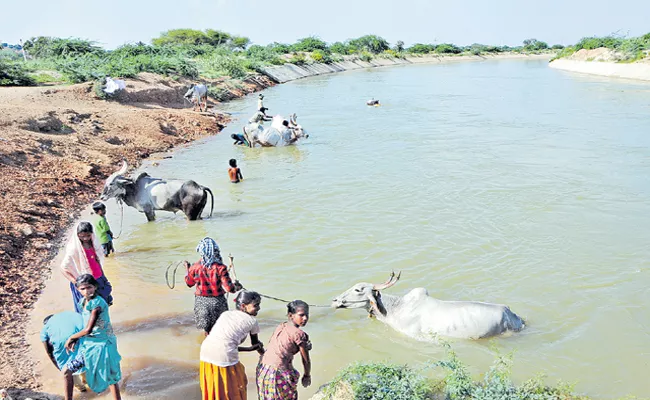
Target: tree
420, 48
311, 43
448, 48
372, 43
217, 38
399, 46
239, 42
339, 48
534, 45
181, 36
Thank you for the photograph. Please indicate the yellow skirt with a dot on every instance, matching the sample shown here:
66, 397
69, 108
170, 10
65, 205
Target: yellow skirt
223, 383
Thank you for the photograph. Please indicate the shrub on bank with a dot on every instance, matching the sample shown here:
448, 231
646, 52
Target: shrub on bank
378, 381
14, 74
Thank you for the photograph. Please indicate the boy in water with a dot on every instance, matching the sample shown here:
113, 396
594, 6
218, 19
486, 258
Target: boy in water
102, 229
234, 172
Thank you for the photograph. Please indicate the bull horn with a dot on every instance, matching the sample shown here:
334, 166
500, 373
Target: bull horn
124, 168
390, 282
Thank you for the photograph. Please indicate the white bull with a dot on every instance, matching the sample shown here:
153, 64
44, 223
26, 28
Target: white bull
419, 315
278, 135
197, 94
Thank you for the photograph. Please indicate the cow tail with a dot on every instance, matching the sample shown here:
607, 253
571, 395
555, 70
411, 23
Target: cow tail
211, 199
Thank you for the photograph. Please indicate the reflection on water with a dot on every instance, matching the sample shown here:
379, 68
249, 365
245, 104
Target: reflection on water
502, 181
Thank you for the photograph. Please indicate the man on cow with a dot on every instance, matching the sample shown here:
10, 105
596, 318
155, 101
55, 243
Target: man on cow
260, 116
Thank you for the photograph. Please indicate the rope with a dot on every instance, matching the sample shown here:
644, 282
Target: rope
121, 219
173, 284
230, 268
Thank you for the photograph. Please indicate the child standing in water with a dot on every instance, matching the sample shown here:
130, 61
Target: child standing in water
102, 228
222, 376
277, 379
97, 355
84, 255
234, 173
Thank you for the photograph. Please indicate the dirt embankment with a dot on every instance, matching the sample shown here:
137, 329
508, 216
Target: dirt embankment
57, 145
604, 62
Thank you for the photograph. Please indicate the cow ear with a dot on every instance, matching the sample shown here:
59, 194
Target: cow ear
375, 302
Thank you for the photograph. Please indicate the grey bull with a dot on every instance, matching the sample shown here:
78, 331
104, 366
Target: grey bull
197, 94
421, 316
147, 194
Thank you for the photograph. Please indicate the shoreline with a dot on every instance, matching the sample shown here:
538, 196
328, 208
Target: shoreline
290, 72
633, 71
82, 183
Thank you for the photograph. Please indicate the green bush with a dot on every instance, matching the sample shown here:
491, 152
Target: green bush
534, 45
565, 52
298, 59
279, 48
370, 43
218, 65
14, 74
420, 48
264, 55
339, 48
366, 56
321, 56
43, 46
591, 43
309, 44
10, 55
448, 48
378, 381
496, 383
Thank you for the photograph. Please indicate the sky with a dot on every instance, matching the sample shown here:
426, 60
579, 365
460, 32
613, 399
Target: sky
463, 22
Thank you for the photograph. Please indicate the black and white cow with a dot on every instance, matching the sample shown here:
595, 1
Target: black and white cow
147, 194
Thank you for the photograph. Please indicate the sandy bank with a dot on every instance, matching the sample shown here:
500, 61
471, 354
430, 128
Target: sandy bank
57, 145
638, 71
290, 72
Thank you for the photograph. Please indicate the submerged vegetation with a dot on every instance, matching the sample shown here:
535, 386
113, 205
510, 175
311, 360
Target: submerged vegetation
381, 381
623, 49
211, 54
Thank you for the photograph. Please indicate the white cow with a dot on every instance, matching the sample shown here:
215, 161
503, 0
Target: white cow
422, 316
197, 94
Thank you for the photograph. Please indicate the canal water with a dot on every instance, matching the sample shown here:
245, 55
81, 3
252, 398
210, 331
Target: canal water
498, 181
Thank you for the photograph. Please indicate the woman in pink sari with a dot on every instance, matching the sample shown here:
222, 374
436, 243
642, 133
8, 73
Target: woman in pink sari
84, 255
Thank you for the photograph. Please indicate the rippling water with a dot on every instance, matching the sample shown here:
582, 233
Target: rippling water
502, 181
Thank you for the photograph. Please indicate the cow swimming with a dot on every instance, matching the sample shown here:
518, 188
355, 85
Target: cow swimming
418, 314
147, 194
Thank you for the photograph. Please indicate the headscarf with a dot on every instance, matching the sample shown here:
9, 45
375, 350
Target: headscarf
75, 261
209, 251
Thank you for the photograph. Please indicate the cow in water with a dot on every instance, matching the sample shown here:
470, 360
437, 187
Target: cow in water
197, 94
147, 194
422, 316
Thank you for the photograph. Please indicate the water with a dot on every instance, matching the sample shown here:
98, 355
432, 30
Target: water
502, 181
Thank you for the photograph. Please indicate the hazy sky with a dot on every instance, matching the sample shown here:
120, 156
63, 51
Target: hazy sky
462, 22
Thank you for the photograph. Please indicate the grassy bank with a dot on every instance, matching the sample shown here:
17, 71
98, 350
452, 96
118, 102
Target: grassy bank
452, 381
622, 50
209, 54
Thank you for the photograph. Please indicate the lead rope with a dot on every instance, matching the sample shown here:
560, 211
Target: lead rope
234, 274
231, 267
121, 219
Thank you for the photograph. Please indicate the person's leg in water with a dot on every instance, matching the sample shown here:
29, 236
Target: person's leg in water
115, 391
239, 139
